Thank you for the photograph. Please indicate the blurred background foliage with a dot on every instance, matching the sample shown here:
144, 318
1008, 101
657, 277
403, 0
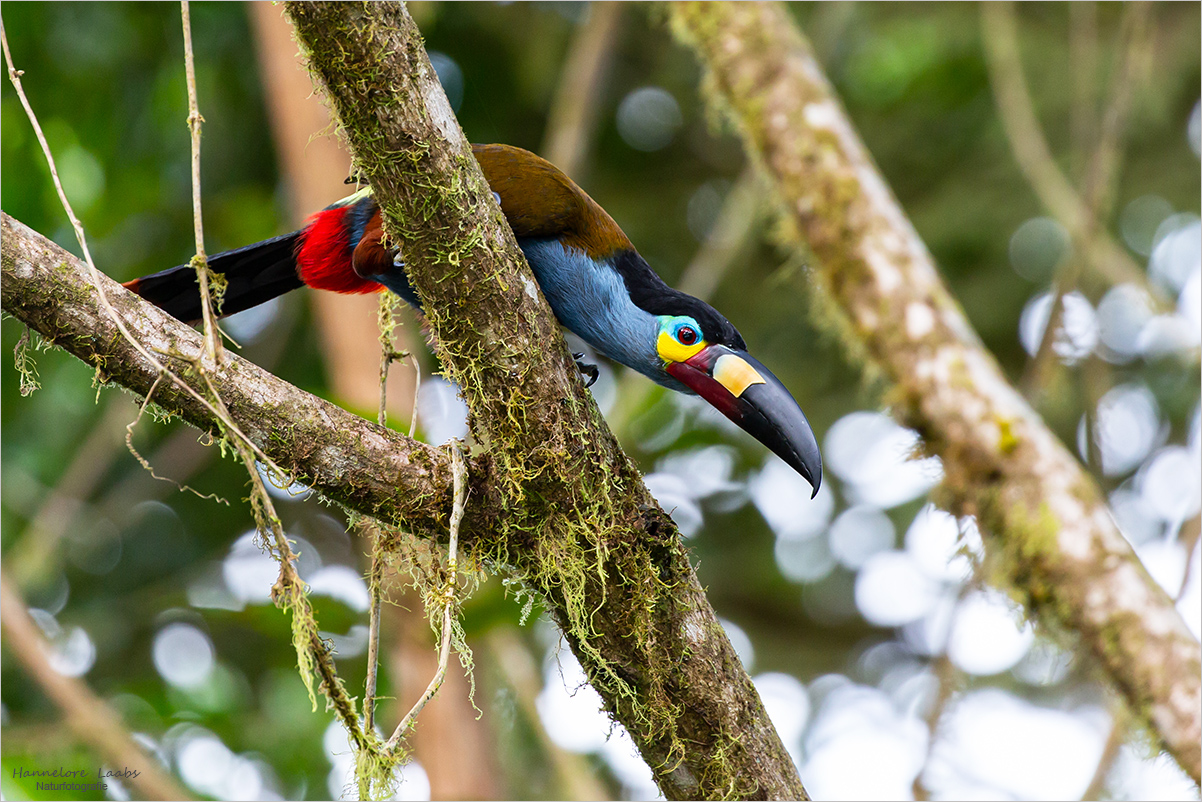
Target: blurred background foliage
844, 608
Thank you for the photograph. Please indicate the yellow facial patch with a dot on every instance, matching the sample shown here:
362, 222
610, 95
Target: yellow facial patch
735, 374
672, 351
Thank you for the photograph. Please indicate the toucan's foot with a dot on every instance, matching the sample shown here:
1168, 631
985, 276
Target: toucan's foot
586, 369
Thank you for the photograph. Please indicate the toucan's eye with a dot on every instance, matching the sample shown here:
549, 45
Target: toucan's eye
686, 335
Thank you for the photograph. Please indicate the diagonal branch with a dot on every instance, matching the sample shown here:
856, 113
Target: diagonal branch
1099, 183
572, 119
578, 525
88, 716
1052, 539
1034, 156
346, 458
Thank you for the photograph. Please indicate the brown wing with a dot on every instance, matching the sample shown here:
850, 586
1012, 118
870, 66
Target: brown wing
540, 201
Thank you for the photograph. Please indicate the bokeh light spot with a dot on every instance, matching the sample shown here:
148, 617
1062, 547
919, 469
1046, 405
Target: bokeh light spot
441, 413
1078, 331
874, 456
858, 533
648, 118
1037, 247
1140, 219
1125, 428
183, 655
892, 590
940, 549
988, 634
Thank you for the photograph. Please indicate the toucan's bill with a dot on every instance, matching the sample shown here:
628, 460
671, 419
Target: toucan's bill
742, 389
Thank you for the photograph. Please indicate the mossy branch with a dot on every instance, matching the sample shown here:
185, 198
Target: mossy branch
577, 524
344, 457
1051, 540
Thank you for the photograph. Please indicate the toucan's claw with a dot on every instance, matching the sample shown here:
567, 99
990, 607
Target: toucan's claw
586, 369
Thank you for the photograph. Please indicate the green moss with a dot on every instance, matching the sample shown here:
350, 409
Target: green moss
1007, 441
557, 536
26, 367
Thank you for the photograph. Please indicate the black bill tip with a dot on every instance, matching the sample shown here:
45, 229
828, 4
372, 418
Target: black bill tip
742, 389
771, 416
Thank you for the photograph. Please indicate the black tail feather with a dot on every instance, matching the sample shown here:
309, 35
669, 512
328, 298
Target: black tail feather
255, 274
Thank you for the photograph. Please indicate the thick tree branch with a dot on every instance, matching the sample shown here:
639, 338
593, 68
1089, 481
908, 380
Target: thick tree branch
1052, 537
346, 458
578, 525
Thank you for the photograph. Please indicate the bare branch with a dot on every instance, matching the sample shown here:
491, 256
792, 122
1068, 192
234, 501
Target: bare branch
1098, 190
93, 721
572, 121
1034, 157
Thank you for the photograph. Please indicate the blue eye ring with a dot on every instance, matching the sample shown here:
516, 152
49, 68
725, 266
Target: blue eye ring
687, 334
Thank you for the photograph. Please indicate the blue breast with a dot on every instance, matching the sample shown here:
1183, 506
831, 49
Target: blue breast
590, 300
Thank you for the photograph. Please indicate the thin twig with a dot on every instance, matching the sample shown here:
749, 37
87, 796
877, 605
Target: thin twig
1114, 742
1135, 41
459, 471
92, 721
1098, 191
375, 581
1083, 55
742, 215
201, 260
948, 677
1034, 156
386, 322
145, 463
575, 776
269, 524
1095, 381
14, 76
1188, 536
30, 557
945, 675
417, 386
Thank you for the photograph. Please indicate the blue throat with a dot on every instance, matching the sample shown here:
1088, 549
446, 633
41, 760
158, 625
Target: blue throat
590, 300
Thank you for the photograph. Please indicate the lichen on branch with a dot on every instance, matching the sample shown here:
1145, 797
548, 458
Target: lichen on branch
1051, 540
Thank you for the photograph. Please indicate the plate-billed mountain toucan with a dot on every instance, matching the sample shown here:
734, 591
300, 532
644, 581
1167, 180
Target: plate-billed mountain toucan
597, 284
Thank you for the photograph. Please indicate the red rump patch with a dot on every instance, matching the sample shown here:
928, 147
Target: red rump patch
323, 256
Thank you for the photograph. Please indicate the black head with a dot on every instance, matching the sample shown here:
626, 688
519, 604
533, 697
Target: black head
649, 292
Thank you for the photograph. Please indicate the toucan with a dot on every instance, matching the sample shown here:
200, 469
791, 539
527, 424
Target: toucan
597, 284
